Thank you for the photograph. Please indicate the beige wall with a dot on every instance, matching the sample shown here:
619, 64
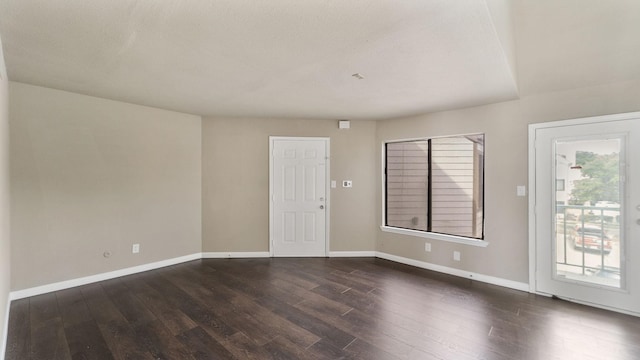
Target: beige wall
235, 188
90, 175
5, 244
505, 126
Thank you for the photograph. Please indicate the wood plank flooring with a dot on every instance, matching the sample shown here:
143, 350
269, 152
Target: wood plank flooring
309, 309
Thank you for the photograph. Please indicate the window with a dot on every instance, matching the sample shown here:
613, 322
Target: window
436, 185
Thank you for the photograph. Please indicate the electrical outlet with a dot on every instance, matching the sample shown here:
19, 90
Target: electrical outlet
427, 247
456, 255
135, 248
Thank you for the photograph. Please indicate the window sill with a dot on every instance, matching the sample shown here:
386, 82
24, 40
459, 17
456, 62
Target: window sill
435, 236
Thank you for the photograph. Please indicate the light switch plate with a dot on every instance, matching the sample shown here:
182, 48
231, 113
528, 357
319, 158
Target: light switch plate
333, 184
521, 190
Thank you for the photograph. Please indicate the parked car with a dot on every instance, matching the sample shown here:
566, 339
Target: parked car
591, 237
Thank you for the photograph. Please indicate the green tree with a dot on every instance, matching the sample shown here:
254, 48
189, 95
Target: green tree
601, 178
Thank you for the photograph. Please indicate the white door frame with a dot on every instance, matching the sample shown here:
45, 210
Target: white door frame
532, 187
327, 141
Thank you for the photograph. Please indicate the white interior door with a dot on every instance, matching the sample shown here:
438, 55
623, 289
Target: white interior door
586, 210
299, 196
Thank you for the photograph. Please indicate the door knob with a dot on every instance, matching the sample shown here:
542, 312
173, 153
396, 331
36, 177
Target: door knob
322, 207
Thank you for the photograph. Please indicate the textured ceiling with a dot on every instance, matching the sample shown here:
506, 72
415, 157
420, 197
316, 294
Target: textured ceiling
277, 58
292, 58
567, 44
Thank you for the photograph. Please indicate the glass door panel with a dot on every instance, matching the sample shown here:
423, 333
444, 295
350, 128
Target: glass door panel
588, 215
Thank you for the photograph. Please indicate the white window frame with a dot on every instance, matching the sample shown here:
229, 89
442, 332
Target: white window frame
418, 233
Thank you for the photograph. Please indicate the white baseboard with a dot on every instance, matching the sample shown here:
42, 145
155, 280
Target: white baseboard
5, 327
235, 255
38, 290
456, 272
352, 254
20, 294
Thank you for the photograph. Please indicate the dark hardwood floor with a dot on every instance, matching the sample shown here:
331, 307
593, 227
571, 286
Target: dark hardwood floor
310, 309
